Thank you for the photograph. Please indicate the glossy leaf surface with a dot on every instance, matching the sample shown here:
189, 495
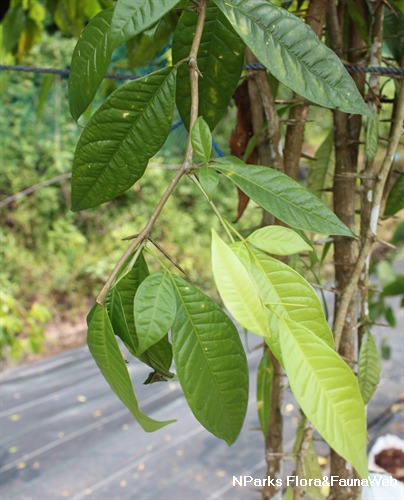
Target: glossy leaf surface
90, 60
237, 288
294, 54
283, 197
116, 145
154, 309
105, 351
278, 240
210, 362
327, 391
131, 17
220, 60
369, 367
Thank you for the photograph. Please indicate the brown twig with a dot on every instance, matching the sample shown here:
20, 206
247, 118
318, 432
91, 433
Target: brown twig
185, 166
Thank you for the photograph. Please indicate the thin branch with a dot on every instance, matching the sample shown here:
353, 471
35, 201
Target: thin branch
186, 165
33, 188
347, 293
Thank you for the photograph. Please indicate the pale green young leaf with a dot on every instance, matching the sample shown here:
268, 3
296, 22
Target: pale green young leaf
293, 53
278, 240
327, 391
210, 361
201, 138
264, 386
154, 309
237, 288
369, 367
105, 351
286, 293
209, 179
282, 196
116, 145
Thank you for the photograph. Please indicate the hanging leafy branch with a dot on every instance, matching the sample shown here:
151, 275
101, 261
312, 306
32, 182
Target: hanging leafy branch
161, 317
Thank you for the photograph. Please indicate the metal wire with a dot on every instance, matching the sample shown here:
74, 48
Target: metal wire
380, 70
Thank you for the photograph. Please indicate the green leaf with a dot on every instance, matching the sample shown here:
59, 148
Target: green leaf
103, 34
321, 170
131, 17
120, 138
283, 197
372, 138
312, 470
210, 361
209, 179
201, 138
13, 25
327, 391
47, 83
105, 351
369, 367
359, 19
286, 293
220, 60
395, 200
264, 388
155, 309
278, 240
159, 356
395, 287
90, 60
393, 32
294, 54
237, 288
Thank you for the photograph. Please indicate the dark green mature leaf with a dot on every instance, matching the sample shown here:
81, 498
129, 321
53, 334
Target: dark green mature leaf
210, 362
120, 308
294, 54
321, 170
395, 287
369, 367
264, 385
393, 31
327, 391
372, 138
105, 351
103, 34
122, 135
155, 309
220, 60
90, 60
395, 200
134, 16
282, 196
